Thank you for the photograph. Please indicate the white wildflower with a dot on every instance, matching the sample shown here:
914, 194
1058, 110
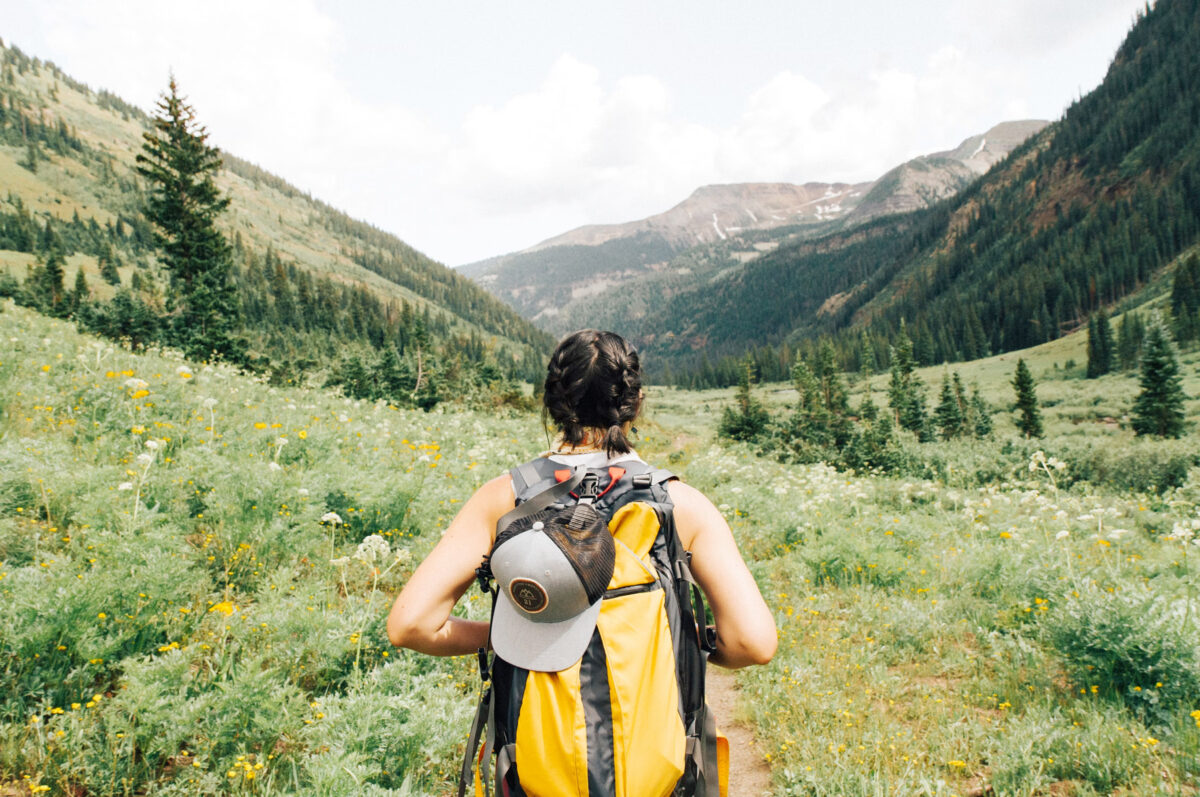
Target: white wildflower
403, 556
136, 384
1062, 535
281, 441
209, 403
274, 467
153, 445
341, 561
144, 459
302, 492
1116, 534
125, 486
332, 517
372, 549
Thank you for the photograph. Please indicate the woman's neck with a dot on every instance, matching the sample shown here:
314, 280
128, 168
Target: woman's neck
590, 443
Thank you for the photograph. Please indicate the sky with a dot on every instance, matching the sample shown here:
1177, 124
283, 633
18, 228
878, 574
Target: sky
473, 129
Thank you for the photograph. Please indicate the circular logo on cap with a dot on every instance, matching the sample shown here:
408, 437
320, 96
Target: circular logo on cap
528, 594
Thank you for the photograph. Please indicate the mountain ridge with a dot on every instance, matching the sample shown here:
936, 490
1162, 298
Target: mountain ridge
561, 282
67, 159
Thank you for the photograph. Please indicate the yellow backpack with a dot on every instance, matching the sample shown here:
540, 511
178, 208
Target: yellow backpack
628, 718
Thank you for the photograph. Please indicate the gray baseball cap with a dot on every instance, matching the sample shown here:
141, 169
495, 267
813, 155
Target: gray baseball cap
545, 612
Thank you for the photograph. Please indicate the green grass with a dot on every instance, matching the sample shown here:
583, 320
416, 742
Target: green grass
176, 624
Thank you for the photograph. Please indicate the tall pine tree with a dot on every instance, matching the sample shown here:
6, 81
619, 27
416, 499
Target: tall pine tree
1158, 409
1030, 419
184, 204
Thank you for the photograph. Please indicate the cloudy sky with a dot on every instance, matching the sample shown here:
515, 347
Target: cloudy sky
471, 129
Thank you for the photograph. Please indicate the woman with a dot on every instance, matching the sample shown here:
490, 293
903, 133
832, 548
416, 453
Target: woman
597, 687
593, 395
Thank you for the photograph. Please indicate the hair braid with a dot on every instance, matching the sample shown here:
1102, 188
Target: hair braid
594, 380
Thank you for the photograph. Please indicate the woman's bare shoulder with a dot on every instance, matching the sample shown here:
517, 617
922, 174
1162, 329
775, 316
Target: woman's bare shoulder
695, 514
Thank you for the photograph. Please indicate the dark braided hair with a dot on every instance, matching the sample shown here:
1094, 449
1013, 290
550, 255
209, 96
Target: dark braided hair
594, 380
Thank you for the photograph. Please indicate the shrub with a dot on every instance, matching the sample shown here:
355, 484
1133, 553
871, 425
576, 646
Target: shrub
1131, 647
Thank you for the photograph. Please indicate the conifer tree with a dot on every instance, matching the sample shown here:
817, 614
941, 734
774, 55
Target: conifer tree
906, 392
949, 412
1185, 300
1093, 355
184, 204
1030, 419
1158, 409
747, 418
1129, 340
108, 266
1100, 347
80, 293
981, 414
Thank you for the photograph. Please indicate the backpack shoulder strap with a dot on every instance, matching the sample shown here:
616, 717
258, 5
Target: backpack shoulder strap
532, 477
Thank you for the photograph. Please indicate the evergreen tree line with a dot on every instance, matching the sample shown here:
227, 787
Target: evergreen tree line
398, 262
210, 307
824, 428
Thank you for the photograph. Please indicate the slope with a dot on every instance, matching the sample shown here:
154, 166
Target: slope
610, 275
1075, 218
66, 162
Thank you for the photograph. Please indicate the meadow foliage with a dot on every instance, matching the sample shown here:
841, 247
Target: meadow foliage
195, 569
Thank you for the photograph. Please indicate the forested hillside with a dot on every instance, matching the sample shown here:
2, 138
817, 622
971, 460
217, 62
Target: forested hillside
318, 292
1081, 215
611, 275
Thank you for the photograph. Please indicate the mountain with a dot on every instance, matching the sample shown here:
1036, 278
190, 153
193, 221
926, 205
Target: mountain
590, 275
1083, 214
315, 284
922, 181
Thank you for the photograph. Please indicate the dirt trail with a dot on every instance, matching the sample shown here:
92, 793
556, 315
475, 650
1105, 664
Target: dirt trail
748, 772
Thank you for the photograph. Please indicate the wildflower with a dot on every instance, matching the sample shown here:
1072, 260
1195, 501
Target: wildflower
341, 561
274, 466
144, 459
125, 486
224, 607
1062, 535
281, 441
183, 372
332, 517
153, 445
209, 403
371, 549
136, 384
302, 492
1116, 534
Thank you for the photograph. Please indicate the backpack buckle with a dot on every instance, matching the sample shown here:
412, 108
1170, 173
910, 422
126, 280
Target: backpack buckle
485, 667
484, 575
642, 481
589, 488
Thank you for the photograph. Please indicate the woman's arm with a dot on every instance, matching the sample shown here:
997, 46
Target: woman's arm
745, 628
420, 618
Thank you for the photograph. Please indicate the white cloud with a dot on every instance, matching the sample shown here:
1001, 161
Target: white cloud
584, 145
577, 150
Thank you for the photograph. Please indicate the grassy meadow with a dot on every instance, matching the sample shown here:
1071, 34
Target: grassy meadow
192, 601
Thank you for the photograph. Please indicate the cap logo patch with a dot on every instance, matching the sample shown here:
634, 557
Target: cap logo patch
528, 594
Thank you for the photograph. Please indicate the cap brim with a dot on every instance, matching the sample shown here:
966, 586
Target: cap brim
541, 647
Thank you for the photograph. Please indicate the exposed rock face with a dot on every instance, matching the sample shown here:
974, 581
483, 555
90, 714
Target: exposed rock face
714, 212
924, 180
566, 281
